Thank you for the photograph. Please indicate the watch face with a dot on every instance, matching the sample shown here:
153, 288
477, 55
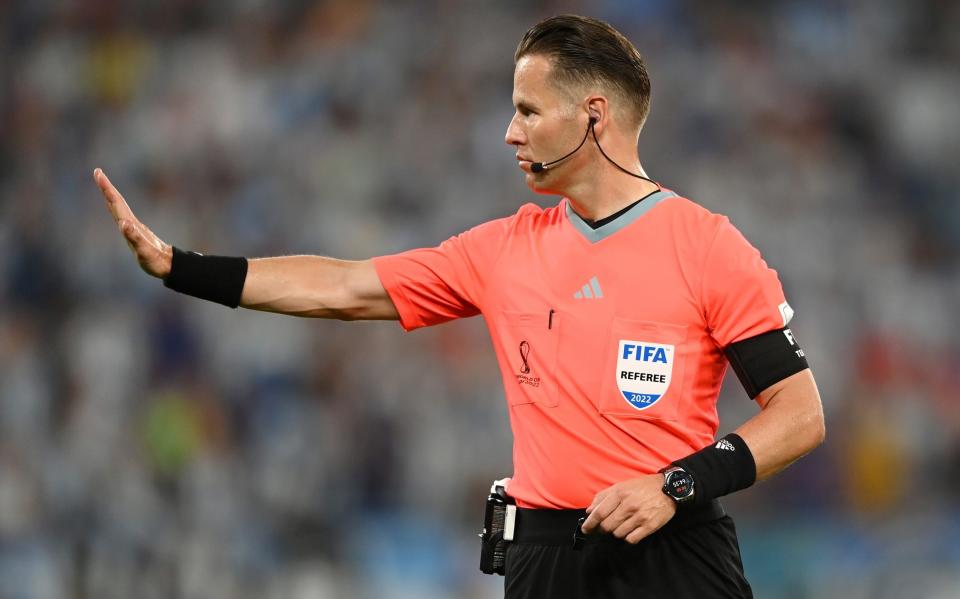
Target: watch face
679, 485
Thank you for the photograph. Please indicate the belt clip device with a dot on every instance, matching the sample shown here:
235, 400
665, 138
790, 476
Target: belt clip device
499, 520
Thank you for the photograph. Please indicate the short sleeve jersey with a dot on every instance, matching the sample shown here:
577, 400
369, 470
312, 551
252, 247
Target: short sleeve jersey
609, 340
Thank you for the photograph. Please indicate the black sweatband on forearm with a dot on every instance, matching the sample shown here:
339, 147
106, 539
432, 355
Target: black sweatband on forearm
218, 279
720, 469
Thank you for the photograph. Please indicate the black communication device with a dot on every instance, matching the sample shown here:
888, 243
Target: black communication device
498, 519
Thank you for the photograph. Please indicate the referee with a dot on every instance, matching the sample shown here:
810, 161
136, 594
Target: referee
613, 315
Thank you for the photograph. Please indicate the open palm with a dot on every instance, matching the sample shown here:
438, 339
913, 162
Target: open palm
154, 256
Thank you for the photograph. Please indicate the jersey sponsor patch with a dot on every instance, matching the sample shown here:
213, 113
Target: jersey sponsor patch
644, 370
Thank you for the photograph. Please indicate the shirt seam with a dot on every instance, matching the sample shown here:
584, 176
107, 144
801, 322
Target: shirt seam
703, 277
496, 263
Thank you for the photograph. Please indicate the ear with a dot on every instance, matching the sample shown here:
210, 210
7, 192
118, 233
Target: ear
598, 110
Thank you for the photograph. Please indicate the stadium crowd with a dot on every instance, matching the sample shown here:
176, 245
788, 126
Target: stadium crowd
156, 446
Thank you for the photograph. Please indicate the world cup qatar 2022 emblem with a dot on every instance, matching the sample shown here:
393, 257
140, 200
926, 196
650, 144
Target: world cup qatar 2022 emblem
643, 372
525, 377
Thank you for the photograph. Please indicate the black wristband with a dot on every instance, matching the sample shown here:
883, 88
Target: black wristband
218, 279
720, 469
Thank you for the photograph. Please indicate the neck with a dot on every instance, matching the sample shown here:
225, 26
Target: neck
609, 190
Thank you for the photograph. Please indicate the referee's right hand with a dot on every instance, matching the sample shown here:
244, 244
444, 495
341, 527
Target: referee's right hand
155, 256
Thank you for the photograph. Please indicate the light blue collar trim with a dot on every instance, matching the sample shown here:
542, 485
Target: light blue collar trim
628, 217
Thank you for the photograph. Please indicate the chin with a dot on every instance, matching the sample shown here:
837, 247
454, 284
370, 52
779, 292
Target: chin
537, 185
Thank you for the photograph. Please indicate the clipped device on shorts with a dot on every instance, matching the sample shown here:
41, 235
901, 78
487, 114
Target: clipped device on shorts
498, 525
579, 537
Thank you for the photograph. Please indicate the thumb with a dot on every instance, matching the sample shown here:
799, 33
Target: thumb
129, 231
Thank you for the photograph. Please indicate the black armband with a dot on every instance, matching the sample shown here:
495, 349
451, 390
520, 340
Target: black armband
766, 359
720, 469
218, 279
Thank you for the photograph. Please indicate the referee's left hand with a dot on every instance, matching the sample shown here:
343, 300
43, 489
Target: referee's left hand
631, 509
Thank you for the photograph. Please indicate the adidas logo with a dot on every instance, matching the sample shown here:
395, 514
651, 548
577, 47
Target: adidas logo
724, 444
590, 290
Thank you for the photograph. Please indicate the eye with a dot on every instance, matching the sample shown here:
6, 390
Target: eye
525, 110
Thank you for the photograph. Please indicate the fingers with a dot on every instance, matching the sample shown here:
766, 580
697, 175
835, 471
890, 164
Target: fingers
129, 235
140, 239
639, 533
601, 511
115, 203
597, 499
625, 521
129, 231
630, 510
629, 525
154, 256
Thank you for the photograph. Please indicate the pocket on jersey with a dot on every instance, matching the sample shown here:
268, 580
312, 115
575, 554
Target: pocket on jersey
644, 370
530, 342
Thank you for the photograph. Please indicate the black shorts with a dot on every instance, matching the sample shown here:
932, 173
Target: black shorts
690, 557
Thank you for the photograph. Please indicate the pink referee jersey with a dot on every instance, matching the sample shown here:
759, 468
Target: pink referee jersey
610, 341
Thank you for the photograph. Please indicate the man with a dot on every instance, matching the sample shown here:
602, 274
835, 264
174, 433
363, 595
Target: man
612, 314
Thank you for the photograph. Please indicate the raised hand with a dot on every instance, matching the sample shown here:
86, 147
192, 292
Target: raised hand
154, 256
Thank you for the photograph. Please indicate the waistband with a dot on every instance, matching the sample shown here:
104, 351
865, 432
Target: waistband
557, 527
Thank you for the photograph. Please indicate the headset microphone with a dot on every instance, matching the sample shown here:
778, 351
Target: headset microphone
539, 167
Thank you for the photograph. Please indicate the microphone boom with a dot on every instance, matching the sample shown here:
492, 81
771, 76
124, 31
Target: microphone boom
539, 167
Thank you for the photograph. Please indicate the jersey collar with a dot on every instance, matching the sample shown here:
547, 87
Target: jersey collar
594, 235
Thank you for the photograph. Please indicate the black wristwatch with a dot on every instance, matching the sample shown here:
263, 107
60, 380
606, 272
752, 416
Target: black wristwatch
678, 485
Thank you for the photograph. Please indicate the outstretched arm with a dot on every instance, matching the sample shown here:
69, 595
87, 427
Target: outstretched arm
311, 286
318, 287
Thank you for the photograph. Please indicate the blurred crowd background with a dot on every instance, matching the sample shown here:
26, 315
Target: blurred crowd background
157, 446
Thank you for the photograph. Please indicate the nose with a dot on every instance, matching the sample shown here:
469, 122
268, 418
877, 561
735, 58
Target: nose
515, 135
